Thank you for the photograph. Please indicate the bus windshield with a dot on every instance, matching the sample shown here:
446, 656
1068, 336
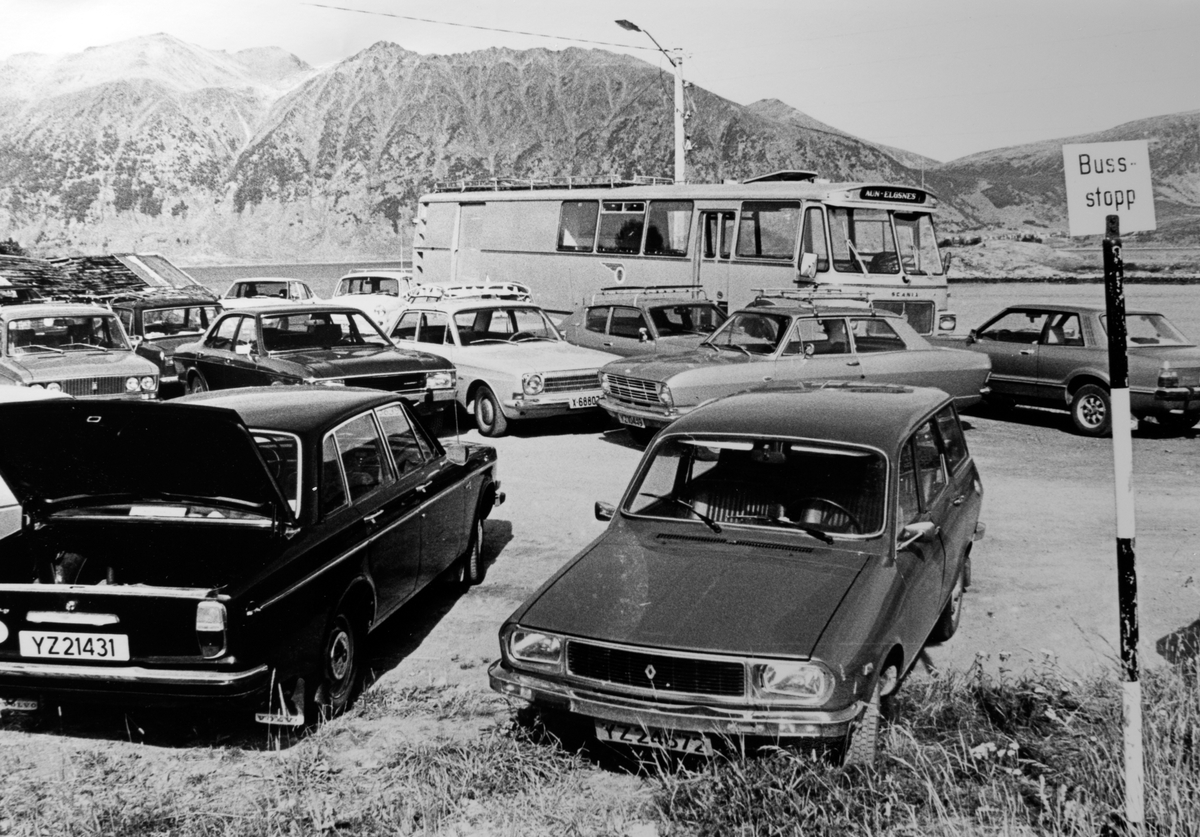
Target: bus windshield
863, 242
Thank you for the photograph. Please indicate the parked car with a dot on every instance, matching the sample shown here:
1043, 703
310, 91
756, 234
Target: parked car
10, 509
785, 340
80, 350
160, 321
379, 293
313, 344
1053, 355
642, 320
775, 567
512, 363
247, 574
267, 290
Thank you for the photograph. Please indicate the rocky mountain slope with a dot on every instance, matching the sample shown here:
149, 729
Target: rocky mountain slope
157, 144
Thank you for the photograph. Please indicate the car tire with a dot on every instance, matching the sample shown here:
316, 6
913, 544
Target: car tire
1091, 410
470, 568
339, 670
488, 417
196, 383
947, 623
863, 747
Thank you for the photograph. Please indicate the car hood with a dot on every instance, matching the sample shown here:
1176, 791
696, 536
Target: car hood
542, 355
49, 366
67, 454
349, 361
663, 365
773, 598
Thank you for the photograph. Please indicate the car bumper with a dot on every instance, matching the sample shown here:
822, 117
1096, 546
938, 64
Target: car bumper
705, 719
550, 404
121, 684
1176, 399
640, 416
428, 400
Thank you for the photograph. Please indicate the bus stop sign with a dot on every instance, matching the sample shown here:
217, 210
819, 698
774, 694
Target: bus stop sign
1108, 178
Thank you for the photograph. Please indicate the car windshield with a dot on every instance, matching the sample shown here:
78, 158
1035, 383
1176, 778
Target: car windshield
819, 487
1149, 330
281, 452
244, 290
510, 323
319, 330
753, 332
58, 335
177, 322
698, 318
368, 285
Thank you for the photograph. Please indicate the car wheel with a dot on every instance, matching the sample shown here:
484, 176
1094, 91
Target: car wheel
947, 623
196, 383
488, 417
470, 568
1091, 410
863, 749
338, 675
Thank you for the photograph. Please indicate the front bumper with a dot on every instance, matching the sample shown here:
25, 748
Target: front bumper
697, 718
427, 401
127, 684
550, 403
648, 417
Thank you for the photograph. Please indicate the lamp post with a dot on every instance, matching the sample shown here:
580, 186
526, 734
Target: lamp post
677, 64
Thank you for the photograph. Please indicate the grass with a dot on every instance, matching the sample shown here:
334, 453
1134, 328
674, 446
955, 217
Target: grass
969, 754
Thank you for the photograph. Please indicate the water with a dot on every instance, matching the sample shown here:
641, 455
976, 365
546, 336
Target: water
321, 277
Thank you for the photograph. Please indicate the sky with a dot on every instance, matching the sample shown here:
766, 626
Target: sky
942, 78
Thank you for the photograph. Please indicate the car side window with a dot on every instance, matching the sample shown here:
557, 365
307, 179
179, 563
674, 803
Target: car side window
830, 337
931, 468
222, 338
954, 443
126, 316
333, 481
628, 322
596, 319
434, 328
872, 334
406, 328
1062, 330
1016, 327
362, 454
407, 450
909, 508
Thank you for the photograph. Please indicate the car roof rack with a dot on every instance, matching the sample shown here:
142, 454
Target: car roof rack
814, 296
637, 291
517, 291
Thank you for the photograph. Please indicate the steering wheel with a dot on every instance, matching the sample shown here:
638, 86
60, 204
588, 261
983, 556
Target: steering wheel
520, 336
839, 515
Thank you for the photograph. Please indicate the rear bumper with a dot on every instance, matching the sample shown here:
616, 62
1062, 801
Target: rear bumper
121, 684
697, 718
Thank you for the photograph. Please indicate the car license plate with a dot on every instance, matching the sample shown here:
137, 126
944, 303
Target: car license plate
65, 645
580, 401
658, 738
19, 705
632, 421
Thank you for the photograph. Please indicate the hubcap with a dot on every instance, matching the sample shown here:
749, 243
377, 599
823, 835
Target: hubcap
339, 655
485, 411
1091, 411
888, 680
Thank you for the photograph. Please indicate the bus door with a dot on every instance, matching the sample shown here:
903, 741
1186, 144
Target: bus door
716, 243
466, 258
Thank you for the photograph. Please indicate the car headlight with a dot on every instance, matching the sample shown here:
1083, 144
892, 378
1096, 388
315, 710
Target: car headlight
332, 382
664, 395
808, 683
132, 385
604, 382
440, 380
54, 386
149, 383
532, 383
35, 386
535, 648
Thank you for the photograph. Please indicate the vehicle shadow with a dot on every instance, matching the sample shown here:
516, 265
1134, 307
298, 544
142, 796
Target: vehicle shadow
386, 648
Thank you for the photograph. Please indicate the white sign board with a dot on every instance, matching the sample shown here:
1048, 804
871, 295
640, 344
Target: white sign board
1108, 178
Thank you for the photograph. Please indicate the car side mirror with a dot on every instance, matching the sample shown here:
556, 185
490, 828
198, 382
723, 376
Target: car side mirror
643, 335
135, 340
920, 531
972, 336
946, 259
810, 349
456, 454
605, 511
808, 265
242, 349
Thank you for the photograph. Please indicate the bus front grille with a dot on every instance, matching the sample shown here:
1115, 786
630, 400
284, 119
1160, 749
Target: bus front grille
633, 390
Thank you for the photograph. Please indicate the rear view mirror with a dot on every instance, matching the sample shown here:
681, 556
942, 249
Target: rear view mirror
946, 259
972, 336
914, 532
456, 454
808, 265
605, 511
242, 349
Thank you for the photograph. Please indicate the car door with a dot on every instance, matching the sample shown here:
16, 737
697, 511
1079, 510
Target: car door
1011, 341
964, 493
1061, 352
628, 332
883, 354
923, 483
216, 361
817, 349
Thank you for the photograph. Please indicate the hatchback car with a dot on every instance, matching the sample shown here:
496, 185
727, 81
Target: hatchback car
776, 565
246, 575
637, 321
313, 344
781, 340
1056, 355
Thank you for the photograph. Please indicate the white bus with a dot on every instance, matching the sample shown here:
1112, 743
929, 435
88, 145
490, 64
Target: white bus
787, 229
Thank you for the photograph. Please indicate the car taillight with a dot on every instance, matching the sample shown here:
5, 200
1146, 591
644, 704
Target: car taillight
1168, 377
210, 628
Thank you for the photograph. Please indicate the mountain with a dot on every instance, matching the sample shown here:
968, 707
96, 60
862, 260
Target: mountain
155, 144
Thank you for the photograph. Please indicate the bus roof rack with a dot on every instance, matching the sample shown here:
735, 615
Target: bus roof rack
517, 291
508, 184
793, 175
812, 296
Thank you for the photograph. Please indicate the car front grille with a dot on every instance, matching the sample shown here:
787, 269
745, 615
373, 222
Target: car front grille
84, 387
391, 383
655, 672
633, 390
572, 382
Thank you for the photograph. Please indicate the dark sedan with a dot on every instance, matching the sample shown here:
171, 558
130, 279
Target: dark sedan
1056, 355
313, 344
244, 573
160, 321
774, 569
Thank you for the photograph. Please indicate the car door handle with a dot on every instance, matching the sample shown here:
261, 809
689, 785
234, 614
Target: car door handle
852, 363
607, 345
423, 486
1026, 351
958, 501
373, 516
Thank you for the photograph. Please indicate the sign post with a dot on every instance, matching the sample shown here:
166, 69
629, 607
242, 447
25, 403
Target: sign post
1106, 183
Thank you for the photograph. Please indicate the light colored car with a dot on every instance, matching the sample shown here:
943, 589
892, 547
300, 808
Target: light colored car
512, 362
257, 291
80, 350
380, 294
638, 321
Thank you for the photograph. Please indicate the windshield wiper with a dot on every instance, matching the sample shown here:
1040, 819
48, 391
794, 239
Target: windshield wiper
705, 519
87, 346
40, 346
820, 535
734, 346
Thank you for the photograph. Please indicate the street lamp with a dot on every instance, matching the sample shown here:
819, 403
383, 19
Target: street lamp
676, 63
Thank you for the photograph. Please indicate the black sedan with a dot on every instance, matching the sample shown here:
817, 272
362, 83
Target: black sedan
777, 564
288, 345
245, 572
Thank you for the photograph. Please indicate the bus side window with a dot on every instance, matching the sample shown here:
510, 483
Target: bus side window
768, 230
577, 226
669, 224
621, 225
813, 238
